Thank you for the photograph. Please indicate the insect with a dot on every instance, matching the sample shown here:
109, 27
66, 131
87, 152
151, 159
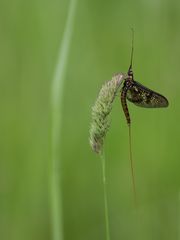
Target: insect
141, 96
138, 94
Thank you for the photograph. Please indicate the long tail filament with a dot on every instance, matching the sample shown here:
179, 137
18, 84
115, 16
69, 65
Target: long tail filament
132, 167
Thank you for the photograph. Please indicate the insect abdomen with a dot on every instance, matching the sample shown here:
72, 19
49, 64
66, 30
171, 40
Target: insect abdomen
124, 105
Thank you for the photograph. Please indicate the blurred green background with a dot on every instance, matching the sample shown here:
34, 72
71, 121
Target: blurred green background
30, 33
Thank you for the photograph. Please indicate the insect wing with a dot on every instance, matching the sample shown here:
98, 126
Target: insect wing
145, 97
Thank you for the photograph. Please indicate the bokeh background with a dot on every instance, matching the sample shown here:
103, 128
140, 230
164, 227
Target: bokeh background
30, 34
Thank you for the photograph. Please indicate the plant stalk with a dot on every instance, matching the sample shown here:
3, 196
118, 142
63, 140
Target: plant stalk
106, 212
56, 131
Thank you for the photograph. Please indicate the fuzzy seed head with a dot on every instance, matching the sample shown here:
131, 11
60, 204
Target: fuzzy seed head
100, 111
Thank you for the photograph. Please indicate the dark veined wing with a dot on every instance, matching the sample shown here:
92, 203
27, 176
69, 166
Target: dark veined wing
145, 97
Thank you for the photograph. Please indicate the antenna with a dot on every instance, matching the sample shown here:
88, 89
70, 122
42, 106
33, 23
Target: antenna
130, 72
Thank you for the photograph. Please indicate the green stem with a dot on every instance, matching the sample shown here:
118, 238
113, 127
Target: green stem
103, 160
57, 107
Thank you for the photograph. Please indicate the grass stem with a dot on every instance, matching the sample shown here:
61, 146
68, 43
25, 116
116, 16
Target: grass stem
56, 108
103, 160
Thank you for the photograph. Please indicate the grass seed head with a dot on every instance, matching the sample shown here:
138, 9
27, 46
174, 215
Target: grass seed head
100, 111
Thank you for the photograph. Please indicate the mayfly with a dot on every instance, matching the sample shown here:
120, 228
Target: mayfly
141, 96
138, 94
